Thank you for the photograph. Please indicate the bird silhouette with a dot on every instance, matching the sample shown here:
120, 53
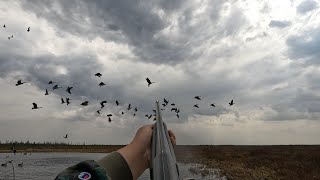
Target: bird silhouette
102, 84
19, 82
35, 106
69, 90
109, 119
117, 102
20, 165
149, 82
51, 82
122, 113
129, 107
13, 149
47, 93
109, 115
196, 105
231, 103
102, 104
85, 103
4, 165
154, 118
173, 104
28, 29
55, 87
178, 110
164, 105
178, 116
99, 111
154, 110
212, 105
4, 26
150, 116
68, 101
62, 101
134, 114
9, 37
66, 136
162, 109
165, 101
198, 97
173, 109
135, 109
98, 74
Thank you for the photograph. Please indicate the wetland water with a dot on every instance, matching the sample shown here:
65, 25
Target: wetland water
40, 166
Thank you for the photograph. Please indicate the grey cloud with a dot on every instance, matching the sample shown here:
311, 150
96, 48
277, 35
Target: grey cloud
305, 46
113, 27
306, 6
235, 21
168, 5
262, 35
265, 9
197, 58
279, 24
140, 26
304, 105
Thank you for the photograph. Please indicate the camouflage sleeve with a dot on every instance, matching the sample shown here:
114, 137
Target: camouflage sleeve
116, 166
111, 167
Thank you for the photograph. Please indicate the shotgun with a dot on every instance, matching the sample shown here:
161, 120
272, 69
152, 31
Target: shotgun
163, 159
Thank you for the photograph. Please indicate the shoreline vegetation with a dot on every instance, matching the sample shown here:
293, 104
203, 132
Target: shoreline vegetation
233, 162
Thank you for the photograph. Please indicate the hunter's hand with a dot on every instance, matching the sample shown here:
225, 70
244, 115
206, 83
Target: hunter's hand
138, 152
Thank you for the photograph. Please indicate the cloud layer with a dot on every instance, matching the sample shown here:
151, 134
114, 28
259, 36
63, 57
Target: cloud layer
266, 60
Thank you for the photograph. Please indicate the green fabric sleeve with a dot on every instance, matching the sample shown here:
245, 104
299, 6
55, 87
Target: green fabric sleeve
116, 166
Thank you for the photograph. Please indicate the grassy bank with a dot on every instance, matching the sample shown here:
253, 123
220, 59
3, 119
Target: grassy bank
256, 162
234, 162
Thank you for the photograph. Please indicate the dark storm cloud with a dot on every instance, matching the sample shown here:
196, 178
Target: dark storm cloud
80, 70
305, 46
138, 24
138, 27
306, 6
279, 24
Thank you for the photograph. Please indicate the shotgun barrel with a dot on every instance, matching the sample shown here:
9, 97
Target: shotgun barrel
163, 159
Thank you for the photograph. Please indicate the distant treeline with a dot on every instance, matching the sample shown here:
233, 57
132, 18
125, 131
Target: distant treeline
17, 143
55, 147
35, 143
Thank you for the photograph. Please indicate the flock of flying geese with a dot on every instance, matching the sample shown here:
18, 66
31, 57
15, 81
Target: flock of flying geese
11, 37
67, 101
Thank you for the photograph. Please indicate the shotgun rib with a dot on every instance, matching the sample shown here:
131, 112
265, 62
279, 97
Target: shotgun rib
163, 160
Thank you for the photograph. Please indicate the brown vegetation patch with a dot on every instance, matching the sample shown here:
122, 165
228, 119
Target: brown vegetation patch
256, 162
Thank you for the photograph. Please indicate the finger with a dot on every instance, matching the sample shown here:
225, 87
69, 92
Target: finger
173, 141
171, 134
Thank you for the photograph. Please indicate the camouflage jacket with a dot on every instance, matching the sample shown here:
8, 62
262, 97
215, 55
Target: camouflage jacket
110, 167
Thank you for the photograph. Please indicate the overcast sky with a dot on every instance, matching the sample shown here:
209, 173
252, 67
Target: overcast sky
265, 55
